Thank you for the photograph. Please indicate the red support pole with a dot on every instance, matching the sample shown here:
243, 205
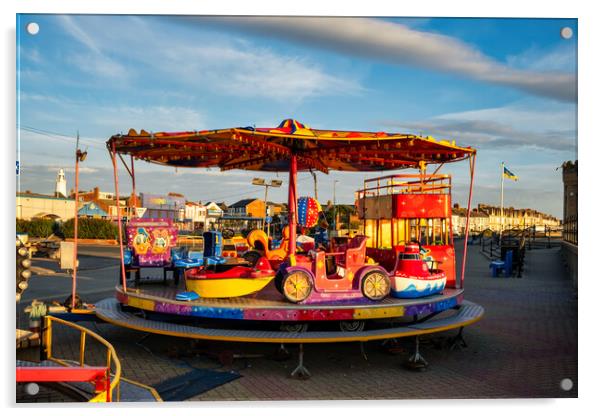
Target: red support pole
75, 220
118, 216
292, 209
472, 164
134, 183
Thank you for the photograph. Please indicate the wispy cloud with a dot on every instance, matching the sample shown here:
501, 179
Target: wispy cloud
559, 58
513, 126
101, 121
232, 71
96, 61
232, 68
153, 118
71, 169
400, 44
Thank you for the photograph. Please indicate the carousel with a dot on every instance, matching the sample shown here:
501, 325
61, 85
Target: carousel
396, 279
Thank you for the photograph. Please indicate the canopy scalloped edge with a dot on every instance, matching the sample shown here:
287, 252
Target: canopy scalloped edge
270, 149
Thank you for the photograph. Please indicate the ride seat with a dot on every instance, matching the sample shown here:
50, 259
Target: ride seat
355, 253
331, 265
182, 258
284, 240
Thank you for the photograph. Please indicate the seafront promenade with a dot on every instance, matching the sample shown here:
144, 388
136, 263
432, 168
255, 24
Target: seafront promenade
525, 345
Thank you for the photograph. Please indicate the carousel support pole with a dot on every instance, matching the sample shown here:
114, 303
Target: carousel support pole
472, 164
282, 354
457, 341
416, 362
300, 372
363, 351
115, 176
133, 175
292, 210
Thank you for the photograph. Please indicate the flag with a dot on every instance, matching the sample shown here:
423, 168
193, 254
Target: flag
509, 174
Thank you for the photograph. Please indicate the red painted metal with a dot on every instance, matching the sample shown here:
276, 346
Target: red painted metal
406, 197
98, 375
318, 314
120, 232
349, 258
292, 206
421, 206
472, 160
236, 272
55, 374
133, 175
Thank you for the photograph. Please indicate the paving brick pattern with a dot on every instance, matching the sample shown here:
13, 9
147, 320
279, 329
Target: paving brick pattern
523, 347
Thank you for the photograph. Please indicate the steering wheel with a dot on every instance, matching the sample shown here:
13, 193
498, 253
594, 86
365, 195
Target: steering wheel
227, 233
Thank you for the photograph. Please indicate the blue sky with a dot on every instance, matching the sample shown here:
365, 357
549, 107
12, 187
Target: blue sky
504, 86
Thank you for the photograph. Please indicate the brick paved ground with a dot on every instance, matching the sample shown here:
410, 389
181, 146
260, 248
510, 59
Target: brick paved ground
524, 346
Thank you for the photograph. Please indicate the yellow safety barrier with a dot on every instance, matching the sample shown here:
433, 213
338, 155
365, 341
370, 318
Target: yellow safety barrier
112, 358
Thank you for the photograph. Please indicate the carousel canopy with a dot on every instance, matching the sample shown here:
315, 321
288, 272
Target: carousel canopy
271, 149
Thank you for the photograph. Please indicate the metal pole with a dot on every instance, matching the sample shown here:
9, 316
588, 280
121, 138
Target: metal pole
292, 210
502, 204
133, 175
334, 205
472, 165
116, 178
265, 208
74, 281
313, 173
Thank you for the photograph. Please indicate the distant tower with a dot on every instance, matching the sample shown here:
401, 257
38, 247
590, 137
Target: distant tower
61, 185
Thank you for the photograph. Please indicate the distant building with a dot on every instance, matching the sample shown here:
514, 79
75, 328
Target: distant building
569, 247
170, 206
248, 208
60, 189
33, 205
107, 202
92, 210
569, 217
479, 221
517, 218
275, 208
195, 215
214, 212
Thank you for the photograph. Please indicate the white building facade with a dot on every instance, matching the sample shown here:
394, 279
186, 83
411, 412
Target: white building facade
195, 215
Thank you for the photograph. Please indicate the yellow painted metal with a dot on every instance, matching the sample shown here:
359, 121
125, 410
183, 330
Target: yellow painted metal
48, 338
222, 288
146, 304
144, 386
111, 354
375, 313
82, 348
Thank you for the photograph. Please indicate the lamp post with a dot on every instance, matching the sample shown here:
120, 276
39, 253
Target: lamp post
274, 183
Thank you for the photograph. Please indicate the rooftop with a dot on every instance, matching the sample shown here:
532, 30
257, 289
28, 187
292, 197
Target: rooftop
242, 203
28, 194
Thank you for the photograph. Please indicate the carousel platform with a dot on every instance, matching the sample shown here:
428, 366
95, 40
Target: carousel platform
269, 305
111, 311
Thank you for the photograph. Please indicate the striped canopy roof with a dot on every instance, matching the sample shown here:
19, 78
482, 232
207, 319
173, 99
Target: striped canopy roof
270, 149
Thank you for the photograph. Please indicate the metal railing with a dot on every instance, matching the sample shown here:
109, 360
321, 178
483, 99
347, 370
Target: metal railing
569, 230
111, 355
495, 247
406, 184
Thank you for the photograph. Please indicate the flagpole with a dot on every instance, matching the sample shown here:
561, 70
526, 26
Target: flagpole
502, 204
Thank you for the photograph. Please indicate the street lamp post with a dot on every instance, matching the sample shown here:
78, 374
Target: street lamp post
274, 183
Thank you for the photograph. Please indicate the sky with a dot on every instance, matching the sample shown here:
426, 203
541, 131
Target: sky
506, 87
